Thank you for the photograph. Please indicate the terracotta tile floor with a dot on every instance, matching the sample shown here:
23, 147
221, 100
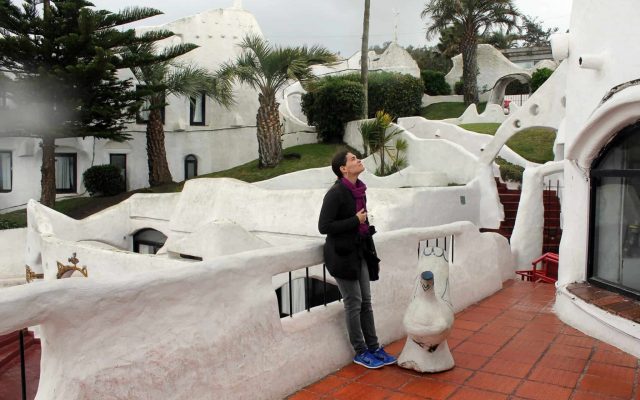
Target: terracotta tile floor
509, 346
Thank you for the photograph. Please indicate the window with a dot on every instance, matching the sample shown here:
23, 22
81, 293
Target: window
190, 167
148, 241
305, 293
5, 171
66, 172
143, 114
614, 251
120, 161
197, 109
3, 99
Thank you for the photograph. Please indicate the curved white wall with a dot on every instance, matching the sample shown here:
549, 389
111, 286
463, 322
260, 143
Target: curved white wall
473, 142
190, 331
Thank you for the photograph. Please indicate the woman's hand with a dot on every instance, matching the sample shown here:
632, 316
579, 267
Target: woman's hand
362, 215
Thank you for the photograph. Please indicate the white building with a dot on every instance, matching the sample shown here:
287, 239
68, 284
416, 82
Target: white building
199, 139
201, 136
145, 325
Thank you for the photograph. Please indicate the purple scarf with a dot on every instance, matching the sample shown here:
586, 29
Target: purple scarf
358, 192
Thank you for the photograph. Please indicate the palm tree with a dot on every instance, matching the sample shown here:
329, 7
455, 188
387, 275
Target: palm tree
267, 69
364, 59
473, 18
161, 77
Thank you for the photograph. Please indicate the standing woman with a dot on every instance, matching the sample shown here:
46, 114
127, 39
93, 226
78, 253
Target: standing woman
350, 256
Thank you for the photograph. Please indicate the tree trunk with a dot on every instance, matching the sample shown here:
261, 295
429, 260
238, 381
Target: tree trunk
269, 132
469, 47
48, 170
159, 173
364, 60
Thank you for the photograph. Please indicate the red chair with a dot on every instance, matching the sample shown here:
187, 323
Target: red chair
547, 271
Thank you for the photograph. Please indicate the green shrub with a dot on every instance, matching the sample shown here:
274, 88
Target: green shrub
458, 88
434, 83
399, 95
539, 77
517, 87
330, 103
377, 136
5, 224
509, 171
105, 180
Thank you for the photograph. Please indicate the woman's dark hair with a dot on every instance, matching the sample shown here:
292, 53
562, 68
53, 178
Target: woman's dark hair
339, 160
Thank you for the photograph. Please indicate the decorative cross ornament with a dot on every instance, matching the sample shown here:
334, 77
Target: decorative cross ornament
396, 13
64, 269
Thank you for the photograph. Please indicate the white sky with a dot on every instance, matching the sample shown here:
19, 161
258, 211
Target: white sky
336, 24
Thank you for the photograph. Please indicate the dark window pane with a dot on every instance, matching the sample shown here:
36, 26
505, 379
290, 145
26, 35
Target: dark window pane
615, 232
5, 171
66, 173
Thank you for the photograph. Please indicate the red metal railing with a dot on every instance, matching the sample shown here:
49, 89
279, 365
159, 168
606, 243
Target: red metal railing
547, 271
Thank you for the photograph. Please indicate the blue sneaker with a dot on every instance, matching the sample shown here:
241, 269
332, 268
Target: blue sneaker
384, 357
367, 360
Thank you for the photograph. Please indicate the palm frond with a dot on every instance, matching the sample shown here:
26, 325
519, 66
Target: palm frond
267, 68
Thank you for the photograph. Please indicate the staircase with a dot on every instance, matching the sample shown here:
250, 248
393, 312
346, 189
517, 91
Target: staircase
10, 348
551, 233
552, 230
10, 374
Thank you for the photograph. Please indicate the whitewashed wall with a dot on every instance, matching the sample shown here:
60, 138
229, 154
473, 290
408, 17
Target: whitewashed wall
201, 331
12, 253
492, 66
594, 115
227, 139
473, 142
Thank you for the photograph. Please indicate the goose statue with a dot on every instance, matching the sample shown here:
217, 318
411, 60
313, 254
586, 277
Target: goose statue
428, 322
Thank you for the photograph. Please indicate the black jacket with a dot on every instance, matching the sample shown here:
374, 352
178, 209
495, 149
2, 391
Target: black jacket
344, 247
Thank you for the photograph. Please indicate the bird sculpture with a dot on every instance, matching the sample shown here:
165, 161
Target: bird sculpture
428, 322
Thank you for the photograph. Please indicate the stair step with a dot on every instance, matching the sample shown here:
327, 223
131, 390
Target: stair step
10, 351
555, 214
510, 197
508, 191
510, 205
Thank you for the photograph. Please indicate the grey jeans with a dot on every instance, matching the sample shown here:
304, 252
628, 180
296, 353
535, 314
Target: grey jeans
356, 296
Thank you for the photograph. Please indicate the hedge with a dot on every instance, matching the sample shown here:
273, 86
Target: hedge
434, 83
399, 95
539, 77
103, 180
332, 102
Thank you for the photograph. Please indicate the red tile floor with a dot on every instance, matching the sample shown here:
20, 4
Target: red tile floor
509, 346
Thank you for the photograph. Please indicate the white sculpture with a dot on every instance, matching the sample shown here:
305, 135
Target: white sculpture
428, 322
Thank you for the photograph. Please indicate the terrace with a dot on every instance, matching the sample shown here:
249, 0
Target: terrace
508, 346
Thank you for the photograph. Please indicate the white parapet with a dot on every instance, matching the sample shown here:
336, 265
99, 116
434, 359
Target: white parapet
203, 330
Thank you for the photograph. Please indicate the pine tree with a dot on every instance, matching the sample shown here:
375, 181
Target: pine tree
62, 61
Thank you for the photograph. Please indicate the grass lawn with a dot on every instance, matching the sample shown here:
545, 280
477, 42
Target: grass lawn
311, 156
534, 144
487, 128
447, 110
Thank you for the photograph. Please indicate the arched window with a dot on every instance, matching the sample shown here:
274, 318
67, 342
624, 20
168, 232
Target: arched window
190, 167
148, 241
614, 251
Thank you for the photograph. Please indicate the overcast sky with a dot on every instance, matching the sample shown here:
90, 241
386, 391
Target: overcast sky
336, 24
